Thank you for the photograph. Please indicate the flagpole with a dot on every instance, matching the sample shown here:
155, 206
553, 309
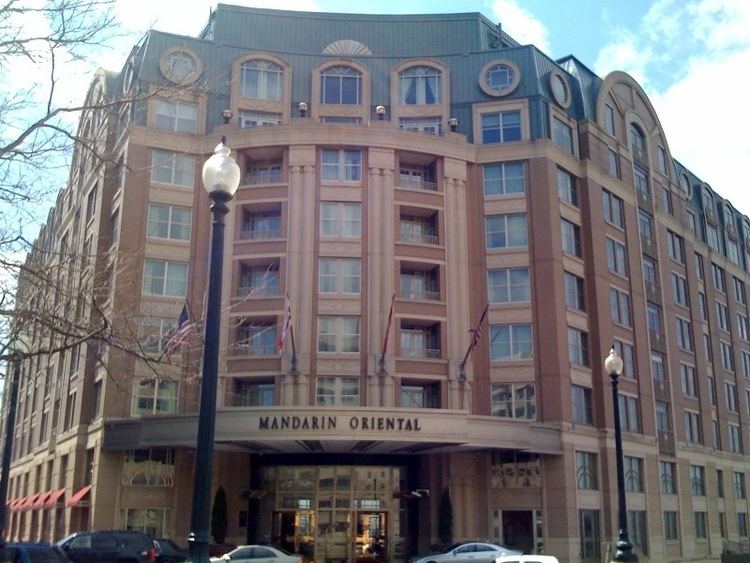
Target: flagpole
293, 368
381, 359
473, 344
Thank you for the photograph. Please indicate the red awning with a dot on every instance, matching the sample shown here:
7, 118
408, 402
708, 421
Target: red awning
28, 502
76, 499
15, 502
53, 498
39, 502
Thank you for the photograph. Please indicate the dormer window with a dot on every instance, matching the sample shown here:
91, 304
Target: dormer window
419, 85
341, 85
261, 80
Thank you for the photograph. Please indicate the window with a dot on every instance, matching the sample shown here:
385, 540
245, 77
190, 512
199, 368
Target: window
703, 306
733, 252
684, 333
427, 125
341, 165
692, 428
671, 527
629, 420
739, 291
645, 224
676, 247
719, 483
649, 270
715, 434
339, 275
679, 290
419, 341
738, 485
661, 159
255, 338
609, 119
662, 417
261, 80
419, 85
341, 220
637, 141
735, 438
259, 280
742, 524
510, 342
562, 135
712, 237
719, 278
712, 390
633, 474
337, 391
567, 190
722, 315
619, 306
154, 333
640, 180
582, 408
699, 525
614, 162
340, 85
508, 285
745, 357
247, 119
688, 381
586, 472
420, 395
574, 292
505, 231
499, 77
513, 400
419, 230
571, 238
153, 521
162, 277
639, 534
149, 468
263, 172
657, 367
421, 285
501, 127
181, 117
616, 257
668, 478
699, 266
698, 480
249, 393
578, 346
338, 334
260, 225
173, 168
727, 355
589, 534
154, 396
169, 221
503, 178
612, 207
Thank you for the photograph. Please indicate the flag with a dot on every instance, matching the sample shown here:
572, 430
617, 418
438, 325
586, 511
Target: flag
179, 334
476, 333
388, 326
286, 326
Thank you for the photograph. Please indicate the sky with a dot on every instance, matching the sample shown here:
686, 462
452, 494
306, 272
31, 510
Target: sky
690, 56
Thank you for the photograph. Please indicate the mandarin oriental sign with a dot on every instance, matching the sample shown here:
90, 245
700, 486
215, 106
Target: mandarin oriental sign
323, 422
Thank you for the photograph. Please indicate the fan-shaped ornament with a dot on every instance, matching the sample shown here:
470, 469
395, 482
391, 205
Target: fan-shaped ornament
347, 48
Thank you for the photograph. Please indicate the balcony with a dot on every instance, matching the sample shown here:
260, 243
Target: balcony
420, 294
418, 237
260, 234
417, 183
244, 349
420, 353
258, 291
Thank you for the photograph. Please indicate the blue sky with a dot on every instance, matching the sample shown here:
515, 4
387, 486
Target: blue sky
691, 56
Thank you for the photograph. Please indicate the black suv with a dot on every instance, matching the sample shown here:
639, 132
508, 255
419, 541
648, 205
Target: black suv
109, 546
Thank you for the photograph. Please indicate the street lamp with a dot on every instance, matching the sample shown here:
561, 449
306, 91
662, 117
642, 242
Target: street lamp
221, 177
613, 366
19, 349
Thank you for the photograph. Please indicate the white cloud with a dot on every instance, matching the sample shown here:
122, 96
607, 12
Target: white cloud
624, 55
521, 24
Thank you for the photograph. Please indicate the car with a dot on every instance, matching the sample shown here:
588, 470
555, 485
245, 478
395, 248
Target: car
257, 554
527, 559
22, 552
168, 551
476, 552
109, 546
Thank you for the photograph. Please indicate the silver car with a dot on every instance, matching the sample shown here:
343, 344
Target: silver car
474, 552
257, 554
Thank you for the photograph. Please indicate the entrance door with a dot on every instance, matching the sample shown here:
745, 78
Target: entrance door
518, 530
371, 538
293, 530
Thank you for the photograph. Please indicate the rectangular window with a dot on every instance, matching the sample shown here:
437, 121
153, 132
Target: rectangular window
614, 162
501, 127
711, 390
340, 85
633, 474
742, 524
582, 408
699, 266
169, 221
671, 527
617, 260
586, 471
743, 327
571, 238
612, 207
688, 381
340, 220
645, 224
666, 200
506, 231
712, 237
719, 278
562, 135
738, 485
503, 178
420, 395
337, 391
668, 477
341, 165
692, 427
567, 190
735, 438
661, 159
338, 333
649, 270
263, 172
249, 393
639, 534
731, 396
173, 168
609, 119
154, 333
508, 285
510, 342
260, 225
698, 480
578, 346
727, 355
739, 291
629, 419
657, 367
163, 277
513, 400
679, 290
173, 115
662, 417
426, 125
255, 338
419, 230
248, 119
653, 318
589, 531
258, 281
619, 306
684, 333
641, 180
339, 275
421, 285
745, 357
574, 292
420, 341
676, 247
155, 396
719, 483
699, 525
703, 306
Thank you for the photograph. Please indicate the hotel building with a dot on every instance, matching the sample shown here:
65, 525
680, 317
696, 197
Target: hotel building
438, 161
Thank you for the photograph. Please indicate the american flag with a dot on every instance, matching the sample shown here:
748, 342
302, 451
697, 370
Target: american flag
179, 335
287, 324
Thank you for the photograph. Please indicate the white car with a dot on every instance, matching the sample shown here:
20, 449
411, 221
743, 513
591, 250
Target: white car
257, 554
473, 552
527, 559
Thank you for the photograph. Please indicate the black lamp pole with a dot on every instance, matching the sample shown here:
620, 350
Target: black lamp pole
10, 423
613, 364
221, 178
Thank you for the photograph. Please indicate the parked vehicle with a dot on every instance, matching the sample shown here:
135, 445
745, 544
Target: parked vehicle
32, 553
527, 559
476, 552
257, 554
109, 546
168, 551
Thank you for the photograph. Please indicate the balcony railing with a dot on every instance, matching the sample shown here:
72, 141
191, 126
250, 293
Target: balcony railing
256, 178
416, 183
254, 349
260, 234
258, 291
419, 238
421, 295
420, 353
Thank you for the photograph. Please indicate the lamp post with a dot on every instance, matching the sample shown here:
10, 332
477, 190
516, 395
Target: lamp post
613, 366
221, 177
19, 349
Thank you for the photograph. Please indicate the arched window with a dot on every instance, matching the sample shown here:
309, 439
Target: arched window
708, 200
261, 80
685, 184
419, 85
637, 139
340, 85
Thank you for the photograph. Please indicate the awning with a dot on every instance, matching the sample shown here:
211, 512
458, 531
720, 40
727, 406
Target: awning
53, 498
39, 502
15, 502
76, 499
28, 502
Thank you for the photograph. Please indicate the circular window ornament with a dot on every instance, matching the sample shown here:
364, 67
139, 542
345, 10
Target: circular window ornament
499, 78
180, 66
559, 88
